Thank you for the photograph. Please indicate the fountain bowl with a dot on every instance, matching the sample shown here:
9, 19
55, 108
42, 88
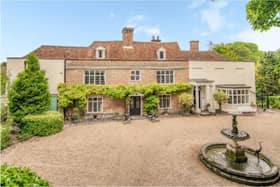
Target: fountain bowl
252, 172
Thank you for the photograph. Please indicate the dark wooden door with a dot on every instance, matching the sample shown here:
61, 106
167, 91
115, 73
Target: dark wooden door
135, 105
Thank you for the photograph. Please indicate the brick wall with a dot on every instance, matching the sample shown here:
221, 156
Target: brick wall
118, 72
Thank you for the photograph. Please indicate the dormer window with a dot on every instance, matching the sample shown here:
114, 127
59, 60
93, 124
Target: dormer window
100, 52
161, 54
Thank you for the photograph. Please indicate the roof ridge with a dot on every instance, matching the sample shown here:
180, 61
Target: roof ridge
64, 46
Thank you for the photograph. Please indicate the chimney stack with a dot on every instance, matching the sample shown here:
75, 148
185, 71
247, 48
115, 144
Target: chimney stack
155, 39
127, 34
194, 46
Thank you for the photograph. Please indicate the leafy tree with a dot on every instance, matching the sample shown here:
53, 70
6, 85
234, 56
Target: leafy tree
4, 77
186, 100
221, 98
268, 76
29, 93
263, 14
238, 51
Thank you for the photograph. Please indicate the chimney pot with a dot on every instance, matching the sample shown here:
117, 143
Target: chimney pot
194, 45
127, 34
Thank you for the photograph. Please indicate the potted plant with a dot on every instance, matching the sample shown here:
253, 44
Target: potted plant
186, 100
221, 98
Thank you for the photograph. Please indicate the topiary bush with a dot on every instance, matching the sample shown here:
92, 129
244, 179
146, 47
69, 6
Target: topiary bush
5, 137
44, 124
275, 101
186, 100
20, 176
221, 98
29, 93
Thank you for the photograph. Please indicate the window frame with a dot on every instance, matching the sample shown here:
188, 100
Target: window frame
164, 76
94, 76
98, 49
135, 75
159, 51
101, 107
237, 96
169, 104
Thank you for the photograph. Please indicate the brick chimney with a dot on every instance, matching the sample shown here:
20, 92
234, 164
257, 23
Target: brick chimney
155, 39
127, 34
194, 46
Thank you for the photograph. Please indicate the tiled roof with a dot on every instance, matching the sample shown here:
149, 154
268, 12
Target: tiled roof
116, 51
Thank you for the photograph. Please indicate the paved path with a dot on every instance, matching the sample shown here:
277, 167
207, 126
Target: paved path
142, 153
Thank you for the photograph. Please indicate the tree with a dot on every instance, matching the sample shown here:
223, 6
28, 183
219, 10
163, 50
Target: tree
221, 98
239, 51
29, 93
268, 76
4, 77
186, 100
263, 14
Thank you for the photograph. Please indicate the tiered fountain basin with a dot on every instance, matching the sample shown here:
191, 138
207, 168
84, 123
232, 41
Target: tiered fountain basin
251, 172
239, 163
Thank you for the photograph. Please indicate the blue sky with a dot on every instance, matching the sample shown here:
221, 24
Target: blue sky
25, 25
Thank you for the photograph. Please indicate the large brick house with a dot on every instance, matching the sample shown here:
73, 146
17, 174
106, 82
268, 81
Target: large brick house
134, 62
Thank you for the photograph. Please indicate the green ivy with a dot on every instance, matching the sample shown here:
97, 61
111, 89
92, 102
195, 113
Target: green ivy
75, 95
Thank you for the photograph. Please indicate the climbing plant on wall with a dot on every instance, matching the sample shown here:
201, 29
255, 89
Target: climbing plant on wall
75, 95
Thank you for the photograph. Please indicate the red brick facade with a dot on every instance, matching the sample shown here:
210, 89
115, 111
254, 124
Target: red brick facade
121, 57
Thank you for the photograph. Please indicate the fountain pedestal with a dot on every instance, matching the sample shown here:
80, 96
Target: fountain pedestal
236, 154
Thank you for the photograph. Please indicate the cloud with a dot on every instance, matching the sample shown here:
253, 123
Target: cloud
196, 3
134, 20
112, 15
148, 30
218, 3
213, 17
139, 23
265, 40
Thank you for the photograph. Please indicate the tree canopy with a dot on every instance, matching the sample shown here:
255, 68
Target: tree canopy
238, 51
268, 74
263, 14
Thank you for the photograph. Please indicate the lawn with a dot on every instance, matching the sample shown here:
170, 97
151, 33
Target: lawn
140, 153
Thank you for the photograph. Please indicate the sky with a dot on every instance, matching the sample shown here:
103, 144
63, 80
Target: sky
26, 25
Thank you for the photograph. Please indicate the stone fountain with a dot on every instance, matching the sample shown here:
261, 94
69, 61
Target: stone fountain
239, 163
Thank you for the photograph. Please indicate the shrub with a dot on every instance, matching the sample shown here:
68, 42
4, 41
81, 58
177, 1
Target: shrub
221, 97
5, 137
275, 101
186, 100
43, 124
4, 113
150, 104
20, 176
29, 93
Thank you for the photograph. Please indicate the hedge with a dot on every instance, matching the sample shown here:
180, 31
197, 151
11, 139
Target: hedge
274, 101
20, 176
5, 137
43, 124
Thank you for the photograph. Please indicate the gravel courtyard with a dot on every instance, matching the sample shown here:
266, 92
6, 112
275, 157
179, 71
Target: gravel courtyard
140, 153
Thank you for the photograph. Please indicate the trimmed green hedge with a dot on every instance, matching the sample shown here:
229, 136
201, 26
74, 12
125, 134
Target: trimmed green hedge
20, 176
44, 124
274, 101
5, 137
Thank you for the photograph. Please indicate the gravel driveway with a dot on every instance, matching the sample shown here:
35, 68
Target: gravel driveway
141, 153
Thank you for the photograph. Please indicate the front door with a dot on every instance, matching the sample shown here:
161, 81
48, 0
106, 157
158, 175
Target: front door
135, 105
